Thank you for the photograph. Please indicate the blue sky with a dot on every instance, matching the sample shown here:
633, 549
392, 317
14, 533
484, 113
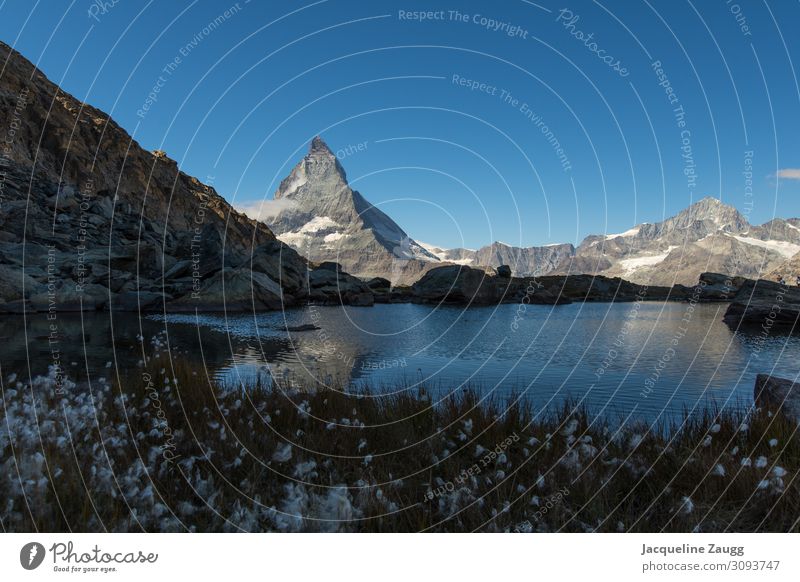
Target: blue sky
461, 116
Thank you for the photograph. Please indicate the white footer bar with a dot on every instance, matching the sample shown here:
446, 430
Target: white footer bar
400, 557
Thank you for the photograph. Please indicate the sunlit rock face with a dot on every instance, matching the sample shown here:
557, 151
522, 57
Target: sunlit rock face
317, 213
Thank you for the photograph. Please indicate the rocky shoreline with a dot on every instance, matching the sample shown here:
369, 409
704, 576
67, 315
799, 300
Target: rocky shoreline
767, 305
467, 285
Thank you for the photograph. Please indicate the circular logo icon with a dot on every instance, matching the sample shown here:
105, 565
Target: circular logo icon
31, 555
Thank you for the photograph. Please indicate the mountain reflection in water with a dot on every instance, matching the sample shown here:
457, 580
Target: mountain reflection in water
617, 359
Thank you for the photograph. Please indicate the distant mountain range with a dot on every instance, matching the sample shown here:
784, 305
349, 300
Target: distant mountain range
707, 236
316, 212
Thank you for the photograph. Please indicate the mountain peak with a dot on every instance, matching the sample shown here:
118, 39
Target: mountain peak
324, 217
318, 146
709, 202
324, 160
714, 210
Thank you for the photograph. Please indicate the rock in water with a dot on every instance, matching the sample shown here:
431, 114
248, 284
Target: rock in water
767, 305
330, 285
458, 284
778, 394
716, 287
303, 327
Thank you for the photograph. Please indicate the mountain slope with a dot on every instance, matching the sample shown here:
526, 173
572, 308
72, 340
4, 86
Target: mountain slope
99, 222
319, 215
707, 236
316, 212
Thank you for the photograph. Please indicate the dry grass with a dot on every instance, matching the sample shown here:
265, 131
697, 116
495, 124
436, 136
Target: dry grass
266, 459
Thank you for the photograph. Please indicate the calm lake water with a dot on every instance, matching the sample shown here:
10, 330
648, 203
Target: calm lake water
637, 359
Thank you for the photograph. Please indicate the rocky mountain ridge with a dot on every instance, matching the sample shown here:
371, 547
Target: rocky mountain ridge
707, 236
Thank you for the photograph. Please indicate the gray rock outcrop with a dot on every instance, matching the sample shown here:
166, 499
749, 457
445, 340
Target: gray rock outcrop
766, 305
458, 284
329, 284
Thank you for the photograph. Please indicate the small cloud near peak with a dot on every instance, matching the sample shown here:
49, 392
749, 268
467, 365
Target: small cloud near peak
789, 174
266, 209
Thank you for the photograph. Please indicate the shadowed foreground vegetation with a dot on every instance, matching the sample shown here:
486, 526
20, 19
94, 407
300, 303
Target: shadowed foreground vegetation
167, 450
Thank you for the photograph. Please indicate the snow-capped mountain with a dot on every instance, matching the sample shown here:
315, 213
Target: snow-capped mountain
316, 212
707, 236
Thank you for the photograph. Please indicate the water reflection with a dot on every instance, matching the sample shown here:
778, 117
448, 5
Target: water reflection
637, 358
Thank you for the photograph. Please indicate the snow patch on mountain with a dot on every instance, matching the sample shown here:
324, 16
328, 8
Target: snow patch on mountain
319, 223
628, 233
444, 254
630, 266
434, 250
333, 237
294, 183
409, 249
783, 248
314, 227
439, 252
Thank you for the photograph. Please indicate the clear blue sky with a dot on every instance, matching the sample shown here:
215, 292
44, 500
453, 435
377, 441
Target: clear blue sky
453, 166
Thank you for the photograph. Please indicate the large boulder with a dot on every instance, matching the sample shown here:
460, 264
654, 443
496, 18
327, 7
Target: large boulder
765, 304
459, 284
470, 286
600, 288
381, 288
379, 284
716, 287
329, 284
504, 271
531, 290
234, 289
778, 395
281, 264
